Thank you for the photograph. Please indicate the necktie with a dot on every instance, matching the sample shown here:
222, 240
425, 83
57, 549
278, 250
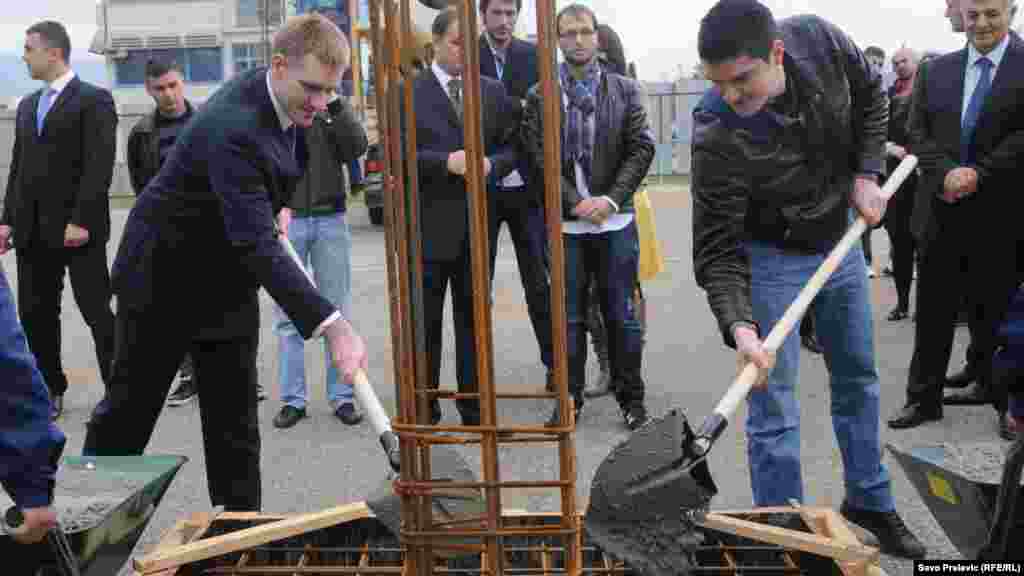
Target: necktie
499, 65
970, 121
45, 101
289, 137
455, 93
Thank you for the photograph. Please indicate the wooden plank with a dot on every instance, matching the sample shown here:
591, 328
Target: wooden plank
183, 532
793, 539
250, 537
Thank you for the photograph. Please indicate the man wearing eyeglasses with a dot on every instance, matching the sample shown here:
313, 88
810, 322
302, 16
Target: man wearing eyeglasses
209, 213
607, 149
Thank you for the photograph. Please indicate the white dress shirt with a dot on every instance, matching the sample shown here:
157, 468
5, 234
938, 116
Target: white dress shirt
615, 221
286, 123
973, 73
61, 83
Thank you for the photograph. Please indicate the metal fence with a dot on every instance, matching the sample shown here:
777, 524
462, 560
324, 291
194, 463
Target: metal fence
671, 116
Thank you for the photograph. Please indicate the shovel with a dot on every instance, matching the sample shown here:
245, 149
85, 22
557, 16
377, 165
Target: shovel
451, 506
651, 491
378, 418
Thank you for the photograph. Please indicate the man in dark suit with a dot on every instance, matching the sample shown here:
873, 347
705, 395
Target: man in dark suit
516, 200
57, 207
209, 213
970, 141
444, 210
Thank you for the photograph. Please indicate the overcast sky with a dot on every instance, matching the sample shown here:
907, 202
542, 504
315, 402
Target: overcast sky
660, 35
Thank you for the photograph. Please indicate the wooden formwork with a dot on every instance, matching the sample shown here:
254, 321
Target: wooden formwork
390, 21
362, 545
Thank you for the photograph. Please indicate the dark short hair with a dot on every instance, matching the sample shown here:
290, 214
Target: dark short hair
735, 28
576, 10
874, 51
443, 22
484, 4
54, 35
610, 44
156, 68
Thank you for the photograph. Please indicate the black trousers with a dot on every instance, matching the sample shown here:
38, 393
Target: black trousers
958, 262
904, 247
150, 349
437, 276
525, 220
40, 293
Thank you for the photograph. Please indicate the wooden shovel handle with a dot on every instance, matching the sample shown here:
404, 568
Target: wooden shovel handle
748, 376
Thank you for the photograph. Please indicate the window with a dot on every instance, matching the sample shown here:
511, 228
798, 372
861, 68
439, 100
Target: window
200, 65
247, 56
250, 13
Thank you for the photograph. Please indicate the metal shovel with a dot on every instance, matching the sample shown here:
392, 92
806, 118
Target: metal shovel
649, 493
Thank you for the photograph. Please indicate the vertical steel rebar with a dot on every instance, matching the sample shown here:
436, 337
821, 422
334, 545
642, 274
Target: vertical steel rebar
552, 114
476, 189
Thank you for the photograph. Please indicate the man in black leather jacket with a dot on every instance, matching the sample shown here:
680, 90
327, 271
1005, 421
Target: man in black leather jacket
789, 139
607, 149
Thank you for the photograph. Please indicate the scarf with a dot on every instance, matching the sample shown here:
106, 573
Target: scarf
581, 102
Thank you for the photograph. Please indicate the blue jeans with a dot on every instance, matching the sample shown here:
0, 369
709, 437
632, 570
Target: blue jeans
842, 313
611, 259
324, 242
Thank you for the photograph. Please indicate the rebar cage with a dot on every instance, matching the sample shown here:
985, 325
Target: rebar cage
390, 26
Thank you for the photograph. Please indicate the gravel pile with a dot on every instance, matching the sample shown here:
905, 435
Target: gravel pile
84, 497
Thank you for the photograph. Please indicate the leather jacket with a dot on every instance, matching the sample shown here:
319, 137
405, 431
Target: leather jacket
739, 191
623, 144
143, 150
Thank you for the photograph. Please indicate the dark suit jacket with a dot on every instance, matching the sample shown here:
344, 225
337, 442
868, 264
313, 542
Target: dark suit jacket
444, 214
200, 240
934, 130
63, 175
520, 72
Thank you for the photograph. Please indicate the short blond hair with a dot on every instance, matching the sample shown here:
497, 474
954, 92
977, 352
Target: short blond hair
312, 34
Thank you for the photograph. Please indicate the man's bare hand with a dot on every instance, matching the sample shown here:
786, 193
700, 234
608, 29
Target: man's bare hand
487, 166
457, 163
867, 199
284, 219
37, 522
959, 183
5, 238
75, 236
895, 150
750, 349
593, 210
348, 351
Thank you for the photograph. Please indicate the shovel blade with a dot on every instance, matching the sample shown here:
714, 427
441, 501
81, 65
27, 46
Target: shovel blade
644, 497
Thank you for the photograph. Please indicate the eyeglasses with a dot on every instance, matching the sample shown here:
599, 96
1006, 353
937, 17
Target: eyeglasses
585, 33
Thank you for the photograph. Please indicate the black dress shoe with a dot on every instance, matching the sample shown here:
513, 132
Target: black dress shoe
961, 379
349, 414
811, 344
897, 314
435, 412
894, 538
56, 407
289, 416
974, 395
912, 416
470, 418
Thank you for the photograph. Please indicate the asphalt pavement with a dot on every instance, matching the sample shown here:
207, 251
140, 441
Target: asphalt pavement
322, 463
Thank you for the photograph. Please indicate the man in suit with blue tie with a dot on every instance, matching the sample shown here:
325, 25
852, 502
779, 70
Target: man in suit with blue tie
970, 141
444, 207
516, 200
57, 206
209, 213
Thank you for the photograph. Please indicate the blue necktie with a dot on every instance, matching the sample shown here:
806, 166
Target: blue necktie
45, 101
974, 110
